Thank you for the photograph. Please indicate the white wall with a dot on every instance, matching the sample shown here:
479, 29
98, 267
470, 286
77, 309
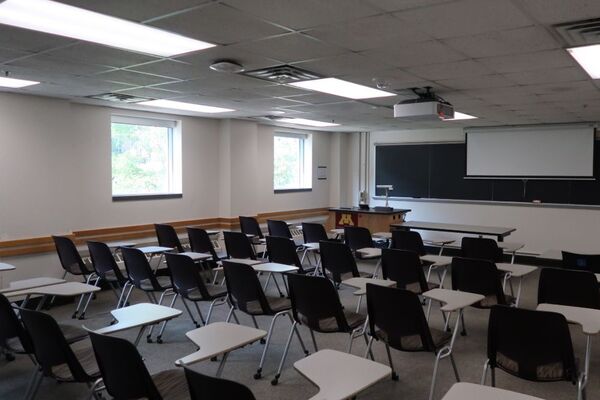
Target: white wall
55, 173
539, 227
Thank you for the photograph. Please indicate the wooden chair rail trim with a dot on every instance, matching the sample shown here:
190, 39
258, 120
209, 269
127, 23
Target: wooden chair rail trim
45, 244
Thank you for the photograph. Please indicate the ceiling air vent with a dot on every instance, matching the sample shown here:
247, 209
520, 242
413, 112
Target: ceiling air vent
118, 98
282, 74
580, 33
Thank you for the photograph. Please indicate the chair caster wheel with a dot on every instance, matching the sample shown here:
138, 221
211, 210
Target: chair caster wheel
10, 357
159, 340
275, 380
257, 375
114, 321
214, 359
306, 352
394, 376
463, 334
149, 339
282, 296
263, 341
82, 317
74, 315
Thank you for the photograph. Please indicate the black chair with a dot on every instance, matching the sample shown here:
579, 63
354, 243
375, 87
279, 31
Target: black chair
481, 248
283, 251
313, 232
531, 345
279, 228
207, 387
106, 269
585, 262
250, 226
200, 242
55, 357
569, 288
167, 237
316, 304
125, 375
481, 277
404, 267
396, 318
337, 259
358, 237
142, 278
247, 295
71, 262
238, 245
188, 283
412, 241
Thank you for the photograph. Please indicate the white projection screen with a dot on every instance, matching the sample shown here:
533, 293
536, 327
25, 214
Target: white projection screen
561, 152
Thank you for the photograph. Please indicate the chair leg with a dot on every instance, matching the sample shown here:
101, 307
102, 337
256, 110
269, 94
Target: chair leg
32, 382
312, 335
120, 299
306, 352
232, 314
257, 375
462, 323
368, 352
364, 334
187, 308
36, 385
284, 356
428, 309
164, 324
434, 376
454, 367
389, 354
199, 312
493, 373
87, 303
486, 366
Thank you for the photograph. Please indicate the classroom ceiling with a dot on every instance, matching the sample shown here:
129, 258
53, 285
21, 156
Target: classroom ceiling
500, 60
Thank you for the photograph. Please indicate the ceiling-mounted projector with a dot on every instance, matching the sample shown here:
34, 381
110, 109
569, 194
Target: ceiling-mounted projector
428, 107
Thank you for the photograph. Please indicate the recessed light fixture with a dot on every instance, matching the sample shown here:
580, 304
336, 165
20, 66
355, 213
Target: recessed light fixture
65, 20
178, 105
15, 83
459, 116
589, 59
308, 122
339, 87
228, 66
276, 112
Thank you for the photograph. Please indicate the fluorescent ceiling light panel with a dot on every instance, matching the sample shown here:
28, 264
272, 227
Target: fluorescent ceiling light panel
308, 122
458, 116
589, 59
64, 20
339, 87
15, 83
178, 105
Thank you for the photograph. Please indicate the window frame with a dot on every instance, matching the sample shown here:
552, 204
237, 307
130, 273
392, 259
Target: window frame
174, 150
305, 162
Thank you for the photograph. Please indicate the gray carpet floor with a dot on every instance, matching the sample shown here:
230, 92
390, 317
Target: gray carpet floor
414, 369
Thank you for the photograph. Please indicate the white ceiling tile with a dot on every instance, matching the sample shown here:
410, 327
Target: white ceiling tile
465, 17
343, 64
133, 78
431, 52
557, 11
293, 48
396, 5
136, 10
236, 53
29, 41
477, 82
7, 55
171, 68
216, 81
368, 33
278, 91
151, 93
457, 69
392, 79
514, 41
316, 98
52, 64
217, 23
306, 13
100, 55
540, 60
566, 74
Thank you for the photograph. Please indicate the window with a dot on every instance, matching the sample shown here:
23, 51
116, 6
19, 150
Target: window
146, 158
292, 162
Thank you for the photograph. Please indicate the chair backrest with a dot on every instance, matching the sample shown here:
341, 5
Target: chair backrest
123, 371
245, 291
185, 275
206, 387
405, 268
478, 276
357, 237
50, 346
408, 240
585, 262
200, 242
532, 345
569, 288
316, 304
103, 260
481, 248
250, 226
337, 258
278, 228
138, 268
283, 251
313, 232
238, 245
397, 314
11, 327
69, 257
167, 237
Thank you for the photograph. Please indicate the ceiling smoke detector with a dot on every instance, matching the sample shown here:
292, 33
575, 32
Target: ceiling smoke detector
227, 66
